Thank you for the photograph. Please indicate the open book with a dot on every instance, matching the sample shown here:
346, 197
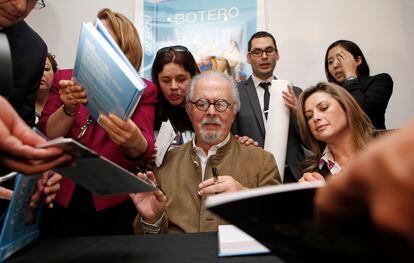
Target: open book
111, 83
96, 173
281, 218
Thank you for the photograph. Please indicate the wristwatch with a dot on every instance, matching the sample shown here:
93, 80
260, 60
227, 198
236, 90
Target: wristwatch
351, 80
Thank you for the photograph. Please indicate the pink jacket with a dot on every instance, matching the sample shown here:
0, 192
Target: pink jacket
97, 139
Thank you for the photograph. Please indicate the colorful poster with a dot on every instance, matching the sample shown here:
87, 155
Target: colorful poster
216, 32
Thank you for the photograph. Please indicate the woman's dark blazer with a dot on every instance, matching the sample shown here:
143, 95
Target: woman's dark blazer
372, 94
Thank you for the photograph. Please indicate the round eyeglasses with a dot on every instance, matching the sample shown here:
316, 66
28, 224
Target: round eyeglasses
203, 104
258, 52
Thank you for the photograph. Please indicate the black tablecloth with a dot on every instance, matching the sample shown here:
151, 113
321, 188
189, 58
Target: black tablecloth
200, 247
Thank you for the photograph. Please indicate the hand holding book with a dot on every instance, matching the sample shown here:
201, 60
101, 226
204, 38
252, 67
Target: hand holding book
111, 83
17, 145
72, 95
150, 205
46, 189
124, 133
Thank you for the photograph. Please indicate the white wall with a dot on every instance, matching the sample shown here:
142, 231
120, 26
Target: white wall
59, 23
302, 28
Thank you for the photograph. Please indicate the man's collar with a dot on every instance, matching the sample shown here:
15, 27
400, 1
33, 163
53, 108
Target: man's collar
216, 146
257, 80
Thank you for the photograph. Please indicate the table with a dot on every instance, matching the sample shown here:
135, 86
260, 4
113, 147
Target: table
198, 247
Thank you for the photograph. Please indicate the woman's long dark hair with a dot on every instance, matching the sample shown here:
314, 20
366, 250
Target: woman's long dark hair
351, 47
176, 54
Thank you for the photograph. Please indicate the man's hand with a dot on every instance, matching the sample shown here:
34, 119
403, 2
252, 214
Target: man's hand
379, 182
246, 140
291, 101
150, 205
5, 193
47, 187
18, 145
225, 183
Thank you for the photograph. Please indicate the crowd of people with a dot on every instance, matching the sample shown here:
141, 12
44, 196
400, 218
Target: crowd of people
219, 123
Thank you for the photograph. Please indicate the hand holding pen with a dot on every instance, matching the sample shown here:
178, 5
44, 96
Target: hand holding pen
219, 184
215, 175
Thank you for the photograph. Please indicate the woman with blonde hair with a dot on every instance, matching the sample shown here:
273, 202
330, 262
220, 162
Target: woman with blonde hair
126, 34
129, 143
333, 127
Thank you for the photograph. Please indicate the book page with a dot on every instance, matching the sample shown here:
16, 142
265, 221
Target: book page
219, 199
165, 137
233, 242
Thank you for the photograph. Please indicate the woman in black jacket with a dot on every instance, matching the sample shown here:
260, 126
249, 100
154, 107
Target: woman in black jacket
346, 66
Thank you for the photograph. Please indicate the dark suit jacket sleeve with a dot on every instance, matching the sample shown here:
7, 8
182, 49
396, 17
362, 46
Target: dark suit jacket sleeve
28, 55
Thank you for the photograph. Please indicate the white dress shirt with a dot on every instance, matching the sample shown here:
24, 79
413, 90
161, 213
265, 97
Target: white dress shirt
260, 91
212, 151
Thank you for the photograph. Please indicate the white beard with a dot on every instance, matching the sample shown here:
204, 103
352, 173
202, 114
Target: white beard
210, 137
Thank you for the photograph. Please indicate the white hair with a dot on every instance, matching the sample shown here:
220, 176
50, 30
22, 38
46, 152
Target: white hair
215, 74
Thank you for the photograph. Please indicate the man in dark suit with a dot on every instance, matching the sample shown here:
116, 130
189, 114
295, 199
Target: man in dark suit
254, 97
28, 52
28, 55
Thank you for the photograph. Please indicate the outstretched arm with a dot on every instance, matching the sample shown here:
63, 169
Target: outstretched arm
379, 183
18, 145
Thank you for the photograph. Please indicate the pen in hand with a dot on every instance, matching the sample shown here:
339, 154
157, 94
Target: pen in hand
215, 174
202, 185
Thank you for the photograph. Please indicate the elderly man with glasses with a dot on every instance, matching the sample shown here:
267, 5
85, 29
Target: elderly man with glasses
214, 162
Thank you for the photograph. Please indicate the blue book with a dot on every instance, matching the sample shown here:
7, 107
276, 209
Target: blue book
20, 223
111, 83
